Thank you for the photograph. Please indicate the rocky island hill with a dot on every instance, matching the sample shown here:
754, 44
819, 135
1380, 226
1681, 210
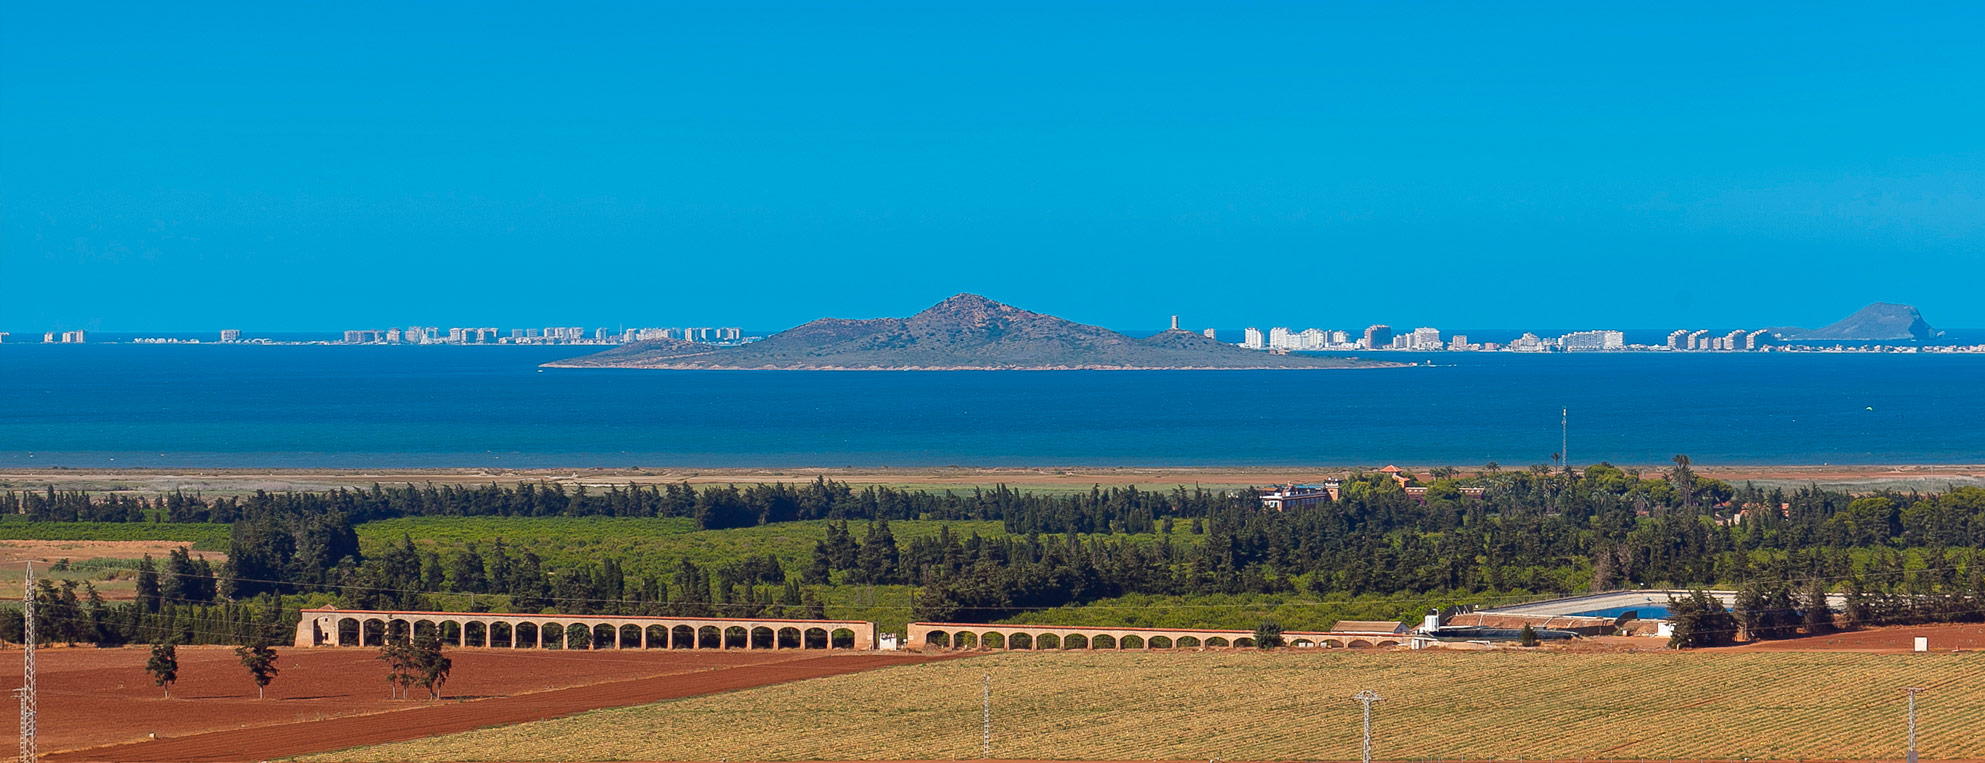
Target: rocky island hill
1881, 321
965, 332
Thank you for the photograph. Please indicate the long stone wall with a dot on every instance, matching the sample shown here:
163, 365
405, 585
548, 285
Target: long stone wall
982, 636
342, 627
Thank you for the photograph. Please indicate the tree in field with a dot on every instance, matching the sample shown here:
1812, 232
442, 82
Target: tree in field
430, 666
401, 670
1699, 620
1528, 637
1268, 635
1818, 616
260, 660
164, 666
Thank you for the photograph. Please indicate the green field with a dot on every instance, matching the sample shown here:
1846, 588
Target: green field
200, 536
1288, 706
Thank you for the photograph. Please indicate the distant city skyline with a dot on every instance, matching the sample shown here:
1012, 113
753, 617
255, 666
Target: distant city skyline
285, 168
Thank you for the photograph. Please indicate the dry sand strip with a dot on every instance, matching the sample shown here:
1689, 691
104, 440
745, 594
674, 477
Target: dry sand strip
1385, 760
289, 739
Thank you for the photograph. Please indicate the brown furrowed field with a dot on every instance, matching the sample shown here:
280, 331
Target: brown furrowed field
1290, 706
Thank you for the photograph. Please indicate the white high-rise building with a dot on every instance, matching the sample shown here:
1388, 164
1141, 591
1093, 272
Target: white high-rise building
1425, 338
1312, 339
1594, 340
1252, 339
1279, 338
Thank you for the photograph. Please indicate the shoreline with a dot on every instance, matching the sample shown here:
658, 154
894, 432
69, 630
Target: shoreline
1356, 365
145, 479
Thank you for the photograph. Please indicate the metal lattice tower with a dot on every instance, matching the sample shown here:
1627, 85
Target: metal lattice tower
1912, 721
985, 734
1368, 697
26, 692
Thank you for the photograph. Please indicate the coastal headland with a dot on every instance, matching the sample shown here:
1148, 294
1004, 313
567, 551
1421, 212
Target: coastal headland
1852, 477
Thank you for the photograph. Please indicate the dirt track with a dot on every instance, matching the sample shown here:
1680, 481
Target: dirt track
330, 699
1968, 637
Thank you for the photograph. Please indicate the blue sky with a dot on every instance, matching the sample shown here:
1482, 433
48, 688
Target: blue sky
290, 166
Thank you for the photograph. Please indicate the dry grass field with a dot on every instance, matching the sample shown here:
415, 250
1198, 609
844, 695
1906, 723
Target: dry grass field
1289, 706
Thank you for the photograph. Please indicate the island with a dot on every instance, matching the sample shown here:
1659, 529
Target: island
965, 332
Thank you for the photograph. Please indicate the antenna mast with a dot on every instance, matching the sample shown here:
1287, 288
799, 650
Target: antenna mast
26, 692
1564, 437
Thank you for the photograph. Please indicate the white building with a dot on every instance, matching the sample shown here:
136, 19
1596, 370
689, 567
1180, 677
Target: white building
1594, 340
1279, 338
1252, 339
1425, 338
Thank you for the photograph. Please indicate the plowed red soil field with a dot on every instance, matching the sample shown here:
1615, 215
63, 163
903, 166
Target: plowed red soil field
99, 705
1968, 637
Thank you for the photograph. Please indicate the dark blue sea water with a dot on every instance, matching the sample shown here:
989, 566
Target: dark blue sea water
305, 406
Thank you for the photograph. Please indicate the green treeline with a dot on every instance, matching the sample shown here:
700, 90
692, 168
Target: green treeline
1901, 556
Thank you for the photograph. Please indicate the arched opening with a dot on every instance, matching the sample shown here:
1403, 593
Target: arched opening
1358, 643
682, 637
1103, 641
937, 640
1388, 643
629, 637
789, 638
815, 638
553, 635
657, 635
1217, 641
1243, 642
1131, 642
451, 632
993, 640
966, 640
1047, 641
763, 637
841, 638
1188, 642
1020, 641
1302, 643
709, 637
424, 629
736, 637
525, 635
398, 629
348, 631
600, 636
502, 635
1331, 643
1075, 641
475, 634
1161, 642
579, 636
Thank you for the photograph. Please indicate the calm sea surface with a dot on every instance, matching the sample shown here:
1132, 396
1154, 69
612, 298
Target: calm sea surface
309, 406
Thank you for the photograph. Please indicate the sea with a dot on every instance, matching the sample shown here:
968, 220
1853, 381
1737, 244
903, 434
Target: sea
104, 405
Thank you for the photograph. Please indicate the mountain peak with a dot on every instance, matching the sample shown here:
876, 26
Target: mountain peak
964, 331
1880, 321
